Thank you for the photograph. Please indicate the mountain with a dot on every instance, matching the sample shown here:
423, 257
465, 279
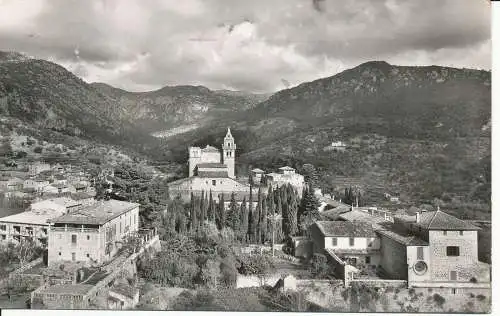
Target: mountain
421, 131
176, 106
47, 96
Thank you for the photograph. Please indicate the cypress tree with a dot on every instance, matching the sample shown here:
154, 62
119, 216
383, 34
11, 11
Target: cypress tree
203, 211
263, 226
251, 223
221, 212
211, 207
308, 211
258, 215
244, 220
233, 218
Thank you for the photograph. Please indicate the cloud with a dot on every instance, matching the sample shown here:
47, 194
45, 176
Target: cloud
244, 45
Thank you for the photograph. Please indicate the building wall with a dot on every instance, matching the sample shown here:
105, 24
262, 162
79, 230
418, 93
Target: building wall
8, 233
195, 184
442, 265
360, 243
393, 258
91, 243
411, 254
296, 180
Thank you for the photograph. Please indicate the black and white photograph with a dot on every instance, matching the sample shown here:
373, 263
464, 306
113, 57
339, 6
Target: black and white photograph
330, 156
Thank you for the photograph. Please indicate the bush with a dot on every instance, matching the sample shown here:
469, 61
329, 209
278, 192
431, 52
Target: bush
254, 264
38, 149
438, 299
481, 297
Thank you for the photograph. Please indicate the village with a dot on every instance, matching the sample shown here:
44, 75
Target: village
82, 251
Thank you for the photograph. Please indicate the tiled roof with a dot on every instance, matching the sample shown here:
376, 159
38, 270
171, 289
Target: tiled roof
125, 290
399, 235
211, 165
80, 196
439, 220
38, 217
97, 214
212, 174
345, 229
361, 216
74, 289
257, 170
209, 148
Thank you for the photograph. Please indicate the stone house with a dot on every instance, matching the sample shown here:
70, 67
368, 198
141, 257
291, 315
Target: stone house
122, 296
286, 175
92, 234
353, 242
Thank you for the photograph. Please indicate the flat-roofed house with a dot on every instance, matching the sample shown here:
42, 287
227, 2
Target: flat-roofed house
286, 175
28, 225
92, 234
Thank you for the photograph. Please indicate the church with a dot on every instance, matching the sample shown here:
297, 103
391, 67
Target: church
210, 170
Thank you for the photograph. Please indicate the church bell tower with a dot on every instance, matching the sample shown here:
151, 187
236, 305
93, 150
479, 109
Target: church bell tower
228, 153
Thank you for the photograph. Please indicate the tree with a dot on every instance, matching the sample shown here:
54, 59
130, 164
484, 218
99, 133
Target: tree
221, 212
308, 210
244, 220
251, 218
290, 212
26, 250
258, 218
204, 207
264, 224
193, 212
233, 218
211, 208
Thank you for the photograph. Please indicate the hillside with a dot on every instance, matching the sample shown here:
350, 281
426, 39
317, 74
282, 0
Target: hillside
421, 131
176, 106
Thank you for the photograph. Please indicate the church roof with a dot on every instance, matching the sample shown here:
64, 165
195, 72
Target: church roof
211, 165
209, 148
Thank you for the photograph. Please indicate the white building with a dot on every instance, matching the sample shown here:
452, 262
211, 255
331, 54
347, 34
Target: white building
286, 175
92, 234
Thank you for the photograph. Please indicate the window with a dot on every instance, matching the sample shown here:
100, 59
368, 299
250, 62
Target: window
214, 182
453, 291
228, 144
351, 241
73, 239
120, 227
4, 237
88, 237
420, 253
461, 233
367, 260
59, 236
59, 253
3, 227
445, 232
453, 275
452, 251
88, 255
334, 241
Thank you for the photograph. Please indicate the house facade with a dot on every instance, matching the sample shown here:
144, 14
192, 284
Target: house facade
286, 175
92, 234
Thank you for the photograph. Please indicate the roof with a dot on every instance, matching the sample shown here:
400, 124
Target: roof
438, 220
209, 148
286, 168
213, 174
361, 216
125, 290
80, 196
211, 165
97, 214
257, 170
75, 289
38, 217
345, 229
399, 235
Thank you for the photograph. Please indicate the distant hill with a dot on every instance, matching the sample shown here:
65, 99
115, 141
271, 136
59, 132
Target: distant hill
175, 106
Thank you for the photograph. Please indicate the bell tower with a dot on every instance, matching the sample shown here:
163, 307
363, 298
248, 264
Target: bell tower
228, 153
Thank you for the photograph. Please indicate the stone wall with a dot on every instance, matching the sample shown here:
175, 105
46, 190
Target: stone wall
393, 258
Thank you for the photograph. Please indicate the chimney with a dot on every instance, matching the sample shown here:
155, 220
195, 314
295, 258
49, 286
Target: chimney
417, 217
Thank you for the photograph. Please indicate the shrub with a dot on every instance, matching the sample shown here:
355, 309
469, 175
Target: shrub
38, 149
481, 297
438, 299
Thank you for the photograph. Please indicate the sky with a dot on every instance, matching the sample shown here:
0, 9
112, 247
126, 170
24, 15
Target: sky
254, 46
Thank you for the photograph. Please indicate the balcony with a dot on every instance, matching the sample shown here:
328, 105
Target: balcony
74, 229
